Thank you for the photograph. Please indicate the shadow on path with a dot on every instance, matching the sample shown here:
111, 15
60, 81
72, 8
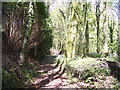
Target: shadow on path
115, 69
39, 83
49, 59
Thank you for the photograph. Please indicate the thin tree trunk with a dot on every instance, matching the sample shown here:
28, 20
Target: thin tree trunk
87, 38
98, 31
98, 25
86, 48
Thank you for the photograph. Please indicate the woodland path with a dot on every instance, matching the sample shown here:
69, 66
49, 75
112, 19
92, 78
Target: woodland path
52, 77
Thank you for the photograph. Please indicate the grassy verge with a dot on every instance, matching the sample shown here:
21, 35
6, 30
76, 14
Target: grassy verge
92, 71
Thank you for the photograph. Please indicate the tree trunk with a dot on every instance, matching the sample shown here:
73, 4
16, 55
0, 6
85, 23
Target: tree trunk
98, 25
71, 37
87, 38
98, 14
98, 31
23, 54
86, 48
118, 52
111, 28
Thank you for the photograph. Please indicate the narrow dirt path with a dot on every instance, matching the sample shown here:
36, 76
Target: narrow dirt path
52, 77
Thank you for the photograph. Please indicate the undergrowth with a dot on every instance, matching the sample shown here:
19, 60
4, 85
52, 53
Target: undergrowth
84, 68
13, 78
91, 71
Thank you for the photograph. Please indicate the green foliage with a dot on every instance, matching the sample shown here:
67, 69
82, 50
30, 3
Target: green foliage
33, 30
45, 46
42, 9
46, 28
60, 31
60, 59
29, 71
13, 79
95, 55
85, 68
10, 79
116, 87
61, 18
7, 7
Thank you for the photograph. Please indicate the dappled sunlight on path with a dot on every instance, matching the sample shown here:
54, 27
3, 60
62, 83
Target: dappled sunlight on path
51, 76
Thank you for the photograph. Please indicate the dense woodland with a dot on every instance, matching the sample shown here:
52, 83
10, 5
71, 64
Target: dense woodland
67, 44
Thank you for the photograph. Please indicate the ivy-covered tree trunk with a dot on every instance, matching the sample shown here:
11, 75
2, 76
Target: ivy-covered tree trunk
119, 31
74, 39
111, 28
98, 14
71, 36
118, 52
24, 52
69, 46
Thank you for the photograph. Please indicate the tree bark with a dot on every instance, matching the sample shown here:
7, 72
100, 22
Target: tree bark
111, 28
87, 38
98, 31
71, 36
118, 52
86, 48
98, 14
24, 52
